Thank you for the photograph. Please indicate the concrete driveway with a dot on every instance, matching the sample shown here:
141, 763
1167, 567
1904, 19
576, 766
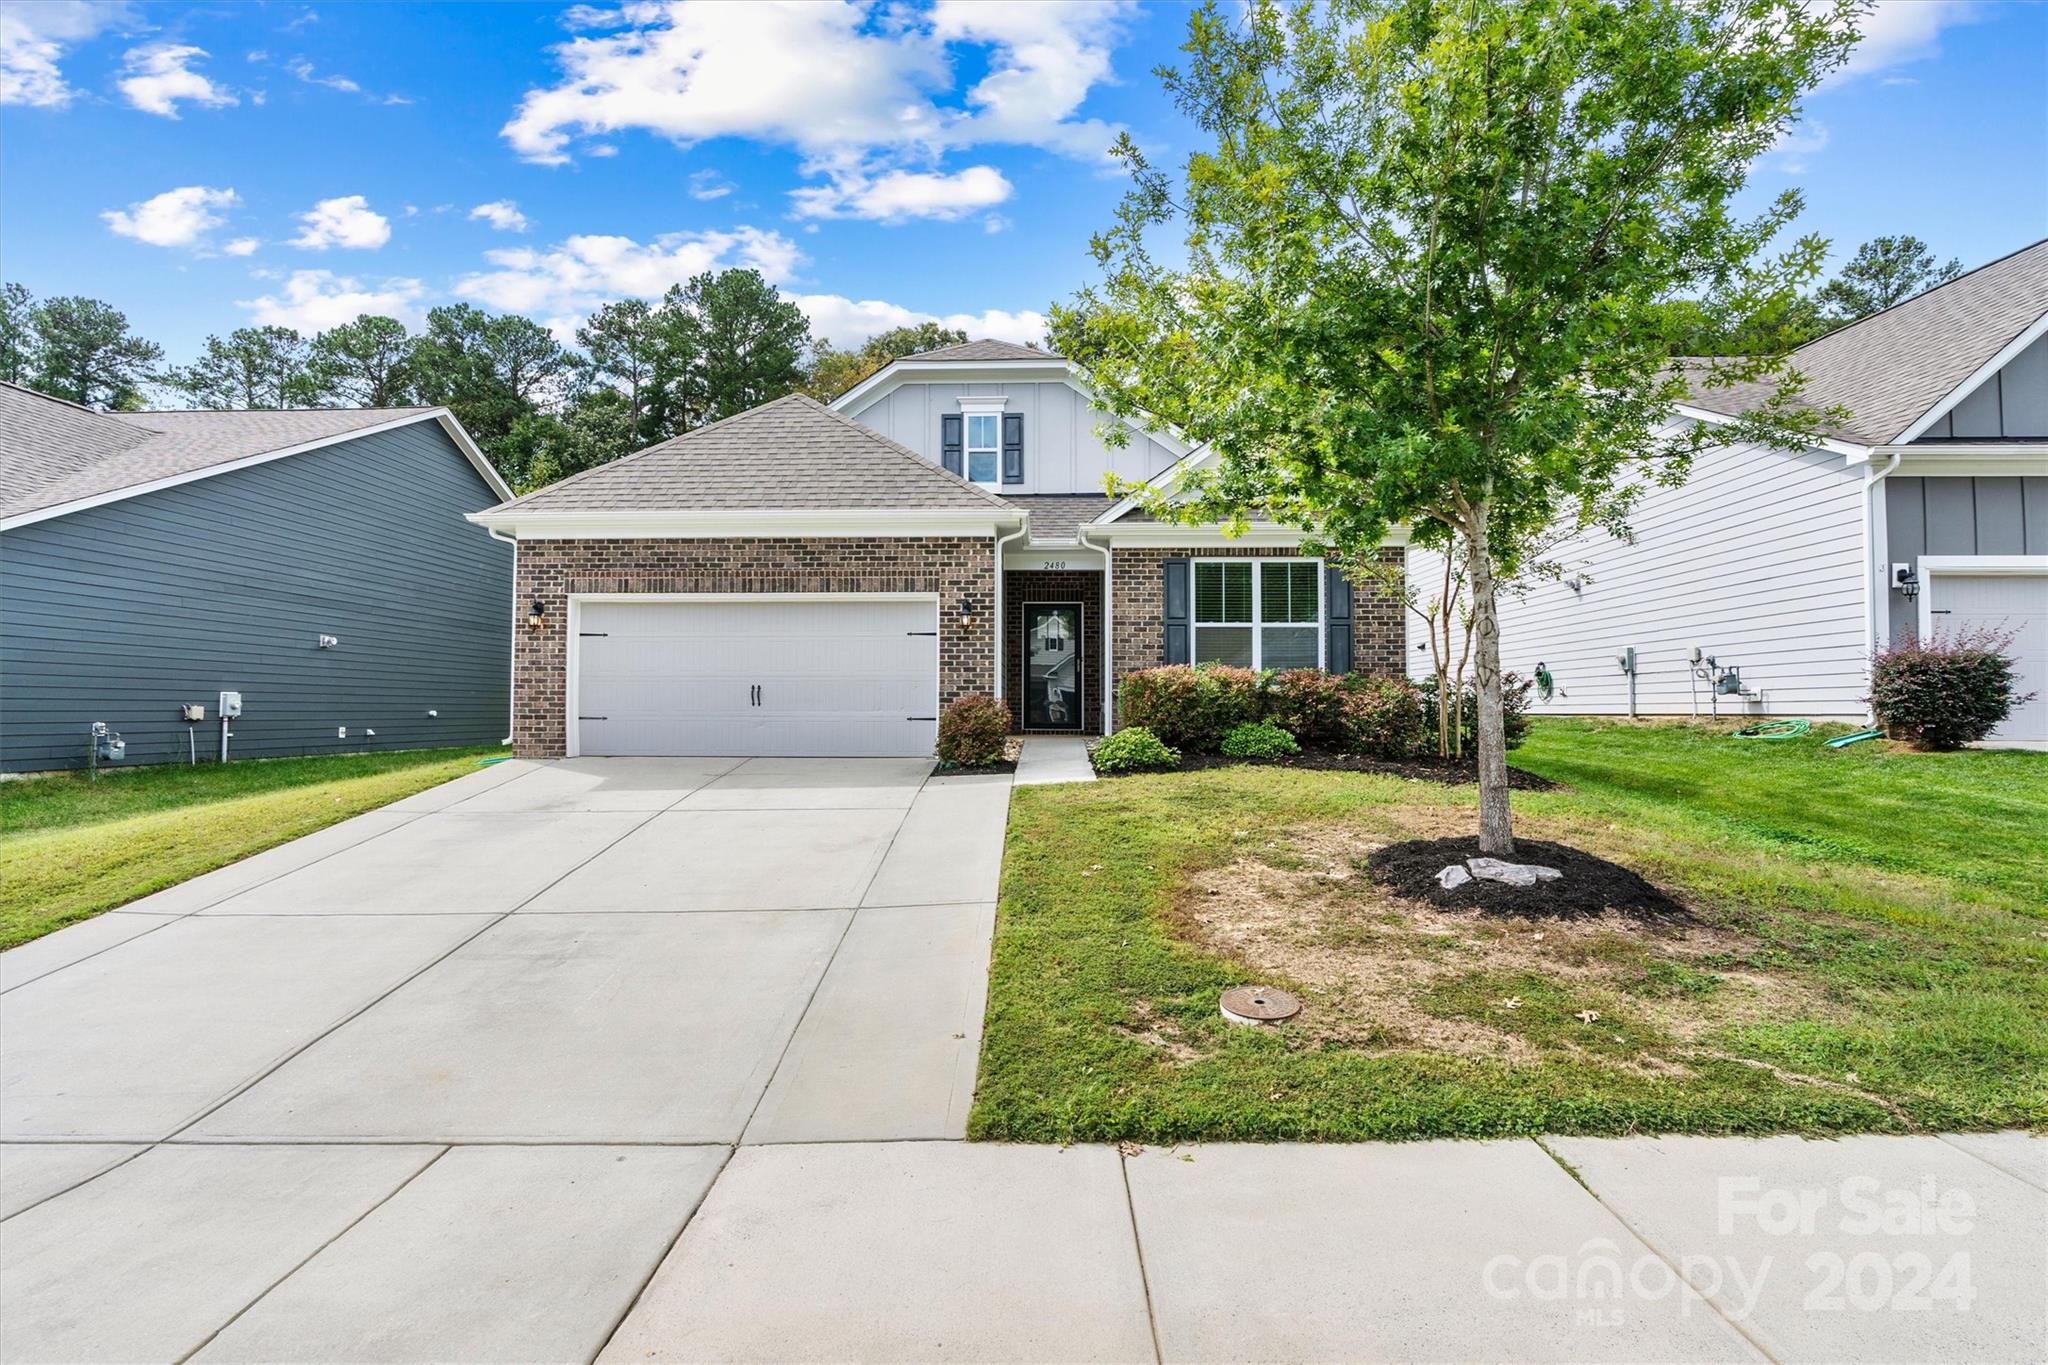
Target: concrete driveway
502, 1034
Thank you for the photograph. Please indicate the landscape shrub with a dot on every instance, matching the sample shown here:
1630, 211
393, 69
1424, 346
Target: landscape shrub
1514, 706
1133, 749
1944, 693
1383, 717
972, 731
1309, 704
1259, 739
1190, 707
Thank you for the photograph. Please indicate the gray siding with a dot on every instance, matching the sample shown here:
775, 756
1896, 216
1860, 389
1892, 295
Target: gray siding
122, 612
1062, 453
1959, 516
2011, 405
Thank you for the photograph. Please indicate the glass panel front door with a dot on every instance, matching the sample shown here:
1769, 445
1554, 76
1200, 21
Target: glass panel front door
1052, 667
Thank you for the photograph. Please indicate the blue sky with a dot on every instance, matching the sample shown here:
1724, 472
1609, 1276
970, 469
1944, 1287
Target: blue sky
203, 167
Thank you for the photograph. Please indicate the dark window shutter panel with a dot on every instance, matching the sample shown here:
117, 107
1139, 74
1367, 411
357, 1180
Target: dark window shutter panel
1175, 617
1337, 614
950, 442
1013, 447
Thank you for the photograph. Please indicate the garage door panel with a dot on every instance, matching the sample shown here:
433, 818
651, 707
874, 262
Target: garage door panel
2014, 604
827, 677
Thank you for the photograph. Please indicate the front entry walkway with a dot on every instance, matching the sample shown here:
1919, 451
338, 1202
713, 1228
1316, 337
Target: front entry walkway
667, 1059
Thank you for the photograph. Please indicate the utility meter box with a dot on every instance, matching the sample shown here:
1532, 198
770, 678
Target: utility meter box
192, 711
230, 705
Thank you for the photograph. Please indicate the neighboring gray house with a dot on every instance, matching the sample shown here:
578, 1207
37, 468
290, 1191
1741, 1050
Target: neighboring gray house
1926, 512
317, 562
802, 579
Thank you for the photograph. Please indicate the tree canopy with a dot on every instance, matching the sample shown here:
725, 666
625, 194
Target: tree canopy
1429, 251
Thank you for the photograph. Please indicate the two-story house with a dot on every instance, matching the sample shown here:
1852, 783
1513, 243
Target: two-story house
811, 580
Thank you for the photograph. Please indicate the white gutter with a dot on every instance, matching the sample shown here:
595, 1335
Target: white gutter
512, 689
1876, 574
1108, 665
1001, 620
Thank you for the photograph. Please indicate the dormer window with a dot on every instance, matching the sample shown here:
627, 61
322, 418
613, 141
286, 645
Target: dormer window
982, 443
984, 447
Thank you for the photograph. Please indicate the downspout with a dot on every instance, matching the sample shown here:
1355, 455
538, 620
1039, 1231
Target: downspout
1001, 623
1876, 583
1108, 664
512, 685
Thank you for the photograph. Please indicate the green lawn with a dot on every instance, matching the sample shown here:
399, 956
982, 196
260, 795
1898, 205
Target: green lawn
1869, 951
75, 847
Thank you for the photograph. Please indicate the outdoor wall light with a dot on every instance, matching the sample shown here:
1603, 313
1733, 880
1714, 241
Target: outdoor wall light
537, 614
1906, 579
966, 612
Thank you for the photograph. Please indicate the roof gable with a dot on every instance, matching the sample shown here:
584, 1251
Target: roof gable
794, 454
57, 457
1901, 368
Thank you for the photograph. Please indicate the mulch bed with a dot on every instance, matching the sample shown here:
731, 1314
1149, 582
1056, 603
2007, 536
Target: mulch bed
1443, 770
1589, 886
1008, 765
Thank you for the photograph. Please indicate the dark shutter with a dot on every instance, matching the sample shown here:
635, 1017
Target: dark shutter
1337, 613
950, 442
1175, 617
1013, 447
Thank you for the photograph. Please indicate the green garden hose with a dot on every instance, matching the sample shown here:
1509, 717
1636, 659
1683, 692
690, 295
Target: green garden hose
1844, 741
1773, 729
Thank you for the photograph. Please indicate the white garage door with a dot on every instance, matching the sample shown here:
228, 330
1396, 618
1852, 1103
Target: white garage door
825, 677
2002, 602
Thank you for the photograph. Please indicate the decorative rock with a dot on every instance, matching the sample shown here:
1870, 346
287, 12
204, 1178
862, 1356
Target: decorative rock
1453, 877
1514, 874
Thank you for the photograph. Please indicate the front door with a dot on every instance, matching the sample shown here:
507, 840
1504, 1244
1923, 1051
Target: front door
1052, 666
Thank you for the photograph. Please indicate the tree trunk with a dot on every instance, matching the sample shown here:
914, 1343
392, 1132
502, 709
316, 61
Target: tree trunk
1496, 832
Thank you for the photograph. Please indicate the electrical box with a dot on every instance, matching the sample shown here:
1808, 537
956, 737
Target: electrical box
230, 705
192, 711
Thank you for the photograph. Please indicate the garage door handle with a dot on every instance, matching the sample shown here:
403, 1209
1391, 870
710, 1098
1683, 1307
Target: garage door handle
920, 632
593, 717
920, 718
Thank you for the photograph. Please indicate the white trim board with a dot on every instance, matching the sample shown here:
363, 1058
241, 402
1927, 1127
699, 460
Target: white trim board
445, 418
728, 524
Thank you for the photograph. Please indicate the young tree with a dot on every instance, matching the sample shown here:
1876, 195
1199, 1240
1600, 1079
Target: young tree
1424, 263
17, 337
255, 367
363, 364
749, 340
82, 350
833, 371
1884, 271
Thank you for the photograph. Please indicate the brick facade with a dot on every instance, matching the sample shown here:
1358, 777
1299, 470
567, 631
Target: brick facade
1378, 633
1022, 586
961, 570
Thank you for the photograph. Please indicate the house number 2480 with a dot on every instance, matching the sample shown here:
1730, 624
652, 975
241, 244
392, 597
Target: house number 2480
1054, 564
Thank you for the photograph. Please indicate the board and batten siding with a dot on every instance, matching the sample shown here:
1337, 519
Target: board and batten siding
124, 611
1936, 515
1755, 560
2011, 405
1062, 452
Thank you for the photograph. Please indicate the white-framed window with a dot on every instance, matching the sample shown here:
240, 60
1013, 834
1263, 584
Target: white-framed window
1258, 613
984, 447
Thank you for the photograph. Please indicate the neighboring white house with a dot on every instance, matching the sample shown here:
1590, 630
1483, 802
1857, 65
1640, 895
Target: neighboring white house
1923, 514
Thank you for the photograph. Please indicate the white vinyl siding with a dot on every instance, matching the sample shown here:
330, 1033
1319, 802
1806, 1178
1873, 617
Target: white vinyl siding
1062, 451
1258, 613
802, 676
1756, 560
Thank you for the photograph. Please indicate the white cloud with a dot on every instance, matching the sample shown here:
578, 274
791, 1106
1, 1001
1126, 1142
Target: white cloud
157, 77
346, 221
709, 185
1799, 145
243, 246
34, 38
502, 214
863, 88
303, 69
846, 322
896, 196
1897, 32
179, 217
314, 300
585, 271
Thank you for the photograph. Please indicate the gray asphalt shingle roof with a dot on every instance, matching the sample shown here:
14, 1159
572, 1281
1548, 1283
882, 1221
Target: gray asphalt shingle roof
1891, 367
1056, 518
794, 454
53, 452
984, 350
